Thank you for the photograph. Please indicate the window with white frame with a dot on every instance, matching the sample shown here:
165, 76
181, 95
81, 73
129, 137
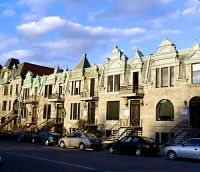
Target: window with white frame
165, 77
26, 93
196, 73
75, 111
24, 111
47, 111
48, 91
76, 86
113, 83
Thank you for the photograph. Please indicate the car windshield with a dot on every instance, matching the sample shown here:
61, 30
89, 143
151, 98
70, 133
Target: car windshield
89, 135
150, 140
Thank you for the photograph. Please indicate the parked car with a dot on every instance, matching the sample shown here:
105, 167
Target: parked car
18, 135
137, 145
25, 136
189, 149
5, 135
80, 140
46, 138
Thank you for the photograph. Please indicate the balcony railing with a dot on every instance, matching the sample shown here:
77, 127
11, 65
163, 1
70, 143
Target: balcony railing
31, 99
88, 94
130, 89
56, 97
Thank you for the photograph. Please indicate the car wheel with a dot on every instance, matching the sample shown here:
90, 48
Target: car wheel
111, 150
62, 144
138, 152
46, 142
171, 155
82, 146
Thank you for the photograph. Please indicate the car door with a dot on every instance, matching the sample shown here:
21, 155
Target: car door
124, 145
190, 149
135, 142
67, 139
74, 140
41, 137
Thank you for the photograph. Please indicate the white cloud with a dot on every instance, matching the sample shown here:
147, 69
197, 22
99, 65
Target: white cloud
74, 30
43, 26
102, 31
37, 8
7, 41
170, 31
192, 7
120, 8
19, 54
8, 12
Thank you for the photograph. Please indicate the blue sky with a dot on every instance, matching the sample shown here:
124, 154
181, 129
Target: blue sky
59, 32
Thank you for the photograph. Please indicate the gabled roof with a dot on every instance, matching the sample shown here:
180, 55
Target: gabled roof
165, 42
166, 46
10, 62
138, 56
83, 63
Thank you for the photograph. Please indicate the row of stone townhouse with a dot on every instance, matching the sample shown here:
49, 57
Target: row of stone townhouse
156, 95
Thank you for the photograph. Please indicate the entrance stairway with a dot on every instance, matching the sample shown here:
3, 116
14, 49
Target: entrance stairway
181, 133
8, 118
117, 132
46, 125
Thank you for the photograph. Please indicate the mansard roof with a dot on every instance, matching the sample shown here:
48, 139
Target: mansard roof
34, 69
83, 63
10, 62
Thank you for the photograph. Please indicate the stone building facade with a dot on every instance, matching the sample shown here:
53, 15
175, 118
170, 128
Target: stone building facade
151, 94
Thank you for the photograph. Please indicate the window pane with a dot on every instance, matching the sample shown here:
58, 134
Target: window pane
172, 76
110, 83
157, 78
112, 110
196, 73
164, 77
117, 82
165, 111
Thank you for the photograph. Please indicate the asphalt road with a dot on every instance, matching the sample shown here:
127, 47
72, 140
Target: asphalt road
25, 157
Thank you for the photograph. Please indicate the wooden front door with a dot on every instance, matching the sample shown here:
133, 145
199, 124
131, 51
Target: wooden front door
91, 113
194, 107
135, 113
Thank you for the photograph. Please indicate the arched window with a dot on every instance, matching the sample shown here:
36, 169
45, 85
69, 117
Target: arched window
165, 111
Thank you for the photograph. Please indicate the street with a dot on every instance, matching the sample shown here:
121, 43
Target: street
23, 157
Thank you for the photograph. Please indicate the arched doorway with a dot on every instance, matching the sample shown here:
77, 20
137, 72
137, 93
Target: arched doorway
15, 106
194, 107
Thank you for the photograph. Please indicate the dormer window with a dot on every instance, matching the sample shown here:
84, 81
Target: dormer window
48, 91
76, 86
113, 83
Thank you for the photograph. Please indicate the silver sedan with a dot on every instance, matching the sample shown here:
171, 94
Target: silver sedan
189, 149
80, 140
